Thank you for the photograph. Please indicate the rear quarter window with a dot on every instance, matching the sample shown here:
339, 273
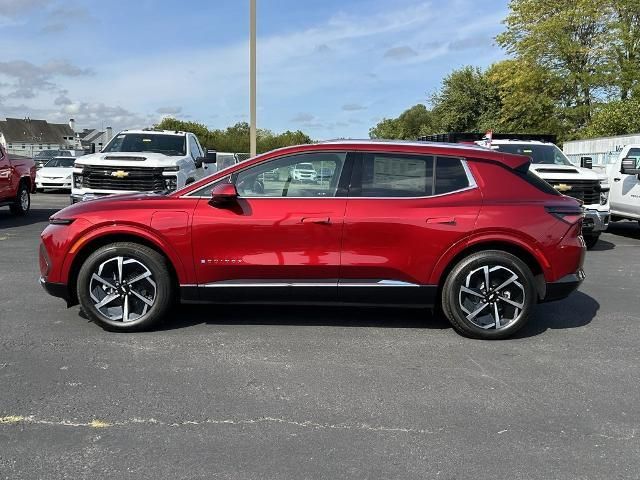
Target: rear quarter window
450, 175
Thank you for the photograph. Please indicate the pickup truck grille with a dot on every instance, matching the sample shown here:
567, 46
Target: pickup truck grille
588, 191
137, 179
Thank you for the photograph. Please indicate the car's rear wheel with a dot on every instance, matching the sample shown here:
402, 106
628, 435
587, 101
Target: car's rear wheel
489, 295
22, 203
125, 287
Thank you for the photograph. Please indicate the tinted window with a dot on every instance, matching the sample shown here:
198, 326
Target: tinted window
450, 175
634, 153
171, 145
396, 175
275, 178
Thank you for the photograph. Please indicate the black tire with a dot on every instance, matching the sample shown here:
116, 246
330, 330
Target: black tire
591, 240
470, 271
158, 287
22, 203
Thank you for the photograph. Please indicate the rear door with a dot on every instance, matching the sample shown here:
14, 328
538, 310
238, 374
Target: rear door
404, 211
625, 189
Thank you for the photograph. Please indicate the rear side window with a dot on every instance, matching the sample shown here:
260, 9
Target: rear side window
396, 175
450, 175
400, 175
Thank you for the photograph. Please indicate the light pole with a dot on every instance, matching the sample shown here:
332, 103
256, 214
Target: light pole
252, 74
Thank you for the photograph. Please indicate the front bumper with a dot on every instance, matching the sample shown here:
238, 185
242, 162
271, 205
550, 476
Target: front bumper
59, 290
563, 287
44, 183
595, 221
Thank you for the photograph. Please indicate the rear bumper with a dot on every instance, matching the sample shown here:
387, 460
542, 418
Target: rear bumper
563, 287
59, 290
595, 221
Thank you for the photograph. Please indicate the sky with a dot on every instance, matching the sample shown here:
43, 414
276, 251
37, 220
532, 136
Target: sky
330, 68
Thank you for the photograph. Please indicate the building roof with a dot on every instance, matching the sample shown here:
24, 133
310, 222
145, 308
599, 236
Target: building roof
34, 131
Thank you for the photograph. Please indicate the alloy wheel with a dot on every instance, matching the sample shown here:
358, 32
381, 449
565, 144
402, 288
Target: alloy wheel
24, 199
492, 297
122, 289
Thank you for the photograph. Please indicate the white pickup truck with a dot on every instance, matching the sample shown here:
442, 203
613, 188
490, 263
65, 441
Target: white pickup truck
139, 161
623, 172
585, 184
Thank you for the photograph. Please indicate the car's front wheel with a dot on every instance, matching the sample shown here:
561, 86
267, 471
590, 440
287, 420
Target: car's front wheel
22, 203
591, 240
125, 287
489, 295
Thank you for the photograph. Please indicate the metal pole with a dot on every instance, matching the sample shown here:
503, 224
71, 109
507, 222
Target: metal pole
252, 73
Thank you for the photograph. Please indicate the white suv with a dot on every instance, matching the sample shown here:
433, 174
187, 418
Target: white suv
304, 172
139, 161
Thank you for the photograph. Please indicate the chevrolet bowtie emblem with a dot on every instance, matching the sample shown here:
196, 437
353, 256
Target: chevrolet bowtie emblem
562, 187
119, 174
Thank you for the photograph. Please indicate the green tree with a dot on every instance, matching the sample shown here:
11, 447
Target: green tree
619, 117
568, 37
623, 57
467, 101
411, 123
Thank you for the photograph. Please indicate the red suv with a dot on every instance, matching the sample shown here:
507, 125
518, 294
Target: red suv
397, 223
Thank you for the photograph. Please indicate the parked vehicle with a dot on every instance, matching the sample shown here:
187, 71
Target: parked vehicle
139, 161
57, 173
216, 161
17, 182
464, 227
617, 158
44, 156
304, 172
550, 164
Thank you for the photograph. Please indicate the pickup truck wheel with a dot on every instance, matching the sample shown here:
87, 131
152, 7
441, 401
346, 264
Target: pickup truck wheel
489, 295
22, 203
125, 287
591, 240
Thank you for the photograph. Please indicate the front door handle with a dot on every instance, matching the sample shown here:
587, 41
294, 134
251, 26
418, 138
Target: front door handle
442, 220
318, 220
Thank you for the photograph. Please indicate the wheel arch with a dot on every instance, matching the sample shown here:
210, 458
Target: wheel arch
98, 241
536, 262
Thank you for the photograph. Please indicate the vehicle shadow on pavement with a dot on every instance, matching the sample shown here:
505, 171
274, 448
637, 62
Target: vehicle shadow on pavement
578, 310
317, 315
625, 229
35, 215
602, 246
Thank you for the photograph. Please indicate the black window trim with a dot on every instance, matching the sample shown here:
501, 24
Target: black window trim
355, 189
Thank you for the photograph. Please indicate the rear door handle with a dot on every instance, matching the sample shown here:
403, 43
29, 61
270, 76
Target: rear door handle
318, 220
442, 220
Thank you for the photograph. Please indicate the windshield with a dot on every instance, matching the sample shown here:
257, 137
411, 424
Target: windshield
60, 162
547, 154
46, 154
171, 145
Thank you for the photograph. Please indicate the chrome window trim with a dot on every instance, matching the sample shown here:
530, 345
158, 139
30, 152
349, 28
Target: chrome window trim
465, 165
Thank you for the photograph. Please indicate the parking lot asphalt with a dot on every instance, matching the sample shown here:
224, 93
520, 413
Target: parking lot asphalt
322, 392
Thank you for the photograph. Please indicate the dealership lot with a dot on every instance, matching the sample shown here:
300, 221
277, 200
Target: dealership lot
310, 392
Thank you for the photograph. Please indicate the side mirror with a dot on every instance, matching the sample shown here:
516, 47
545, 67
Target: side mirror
198, 161
223, 194
210, 157
586, 162
629, 167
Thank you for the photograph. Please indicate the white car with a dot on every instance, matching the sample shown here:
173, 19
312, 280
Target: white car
304, 172
139, 161
56, 173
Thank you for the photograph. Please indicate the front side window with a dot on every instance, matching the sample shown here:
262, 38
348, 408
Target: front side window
170, 145
293, 176
635, 154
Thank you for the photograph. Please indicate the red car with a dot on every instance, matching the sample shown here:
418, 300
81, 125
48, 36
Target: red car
17, 182
463, 227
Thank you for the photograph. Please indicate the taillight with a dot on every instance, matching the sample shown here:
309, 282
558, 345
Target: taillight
568, 214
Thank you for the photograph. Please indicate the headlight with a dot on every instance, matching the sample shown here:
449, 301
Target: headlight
604, 192
170, 183
78, 180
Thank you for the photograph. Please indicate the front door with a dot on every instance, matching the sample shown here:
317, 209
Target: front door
625, 189
281, 239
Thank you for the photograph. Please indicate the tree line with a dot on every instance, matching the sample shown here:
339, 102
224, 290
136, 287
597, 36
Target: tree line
235, 139
573, 71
